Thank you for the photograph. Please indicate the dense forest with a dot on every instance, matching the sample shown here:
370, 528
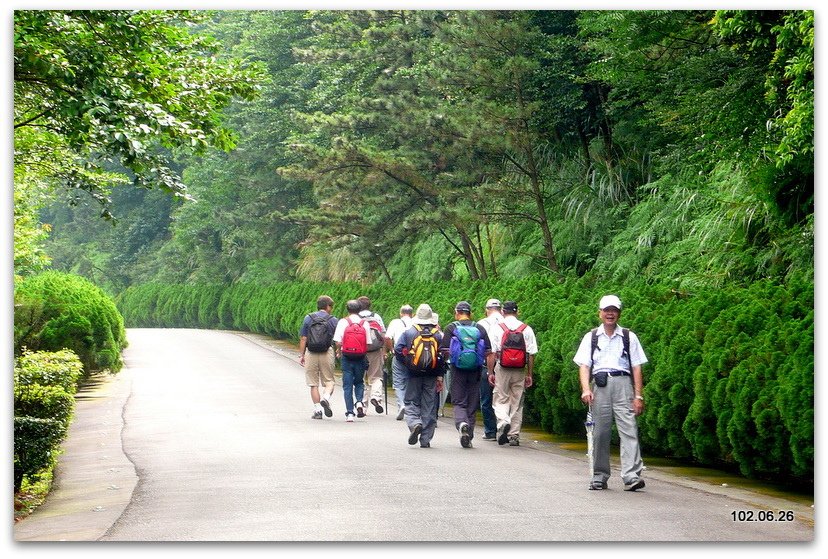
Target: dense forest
673, 147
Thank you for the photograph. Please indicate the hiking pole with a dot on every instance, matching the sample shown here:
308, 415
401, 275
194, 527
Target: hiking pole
590, 424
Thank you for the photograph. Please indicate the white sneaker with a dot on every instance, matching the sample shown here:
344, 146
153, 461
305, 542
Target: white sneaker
349, 417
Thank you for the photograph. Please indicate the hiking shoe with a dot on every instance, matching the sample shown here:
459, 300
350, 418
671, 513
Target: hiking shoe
503, 433
597, 484
425, 445
317, 415
489, 437
327, 407
360, 410
514, 441
465, 437
377, 406
349, 417
637, 484
415, 434
401, 414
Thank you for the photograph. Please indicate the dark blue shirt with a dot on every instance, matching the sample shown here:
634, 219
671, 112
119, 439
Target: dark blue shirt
303, 331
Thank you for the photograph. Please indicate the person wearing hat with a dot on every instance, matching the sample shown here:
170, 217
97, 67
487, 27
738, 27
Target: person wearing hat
421, 386
465, 382
398, 373
493, 318
512, 377
612, 385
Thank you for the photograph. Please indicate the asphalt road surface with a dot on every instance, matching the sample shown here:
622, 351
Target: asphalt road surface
219, 445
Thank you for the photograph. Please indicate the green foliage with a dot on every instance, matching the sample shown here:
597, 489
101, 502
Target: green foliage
675, 146
55, 311
36, 444
730, 374
122, 84
44, 388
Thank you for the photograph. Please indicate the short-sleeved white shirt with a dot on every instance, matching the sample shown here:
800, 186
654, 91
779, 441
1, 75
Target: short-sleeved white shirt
490, 322
372, 314
513, 323
608, 354
343, 323
397, 327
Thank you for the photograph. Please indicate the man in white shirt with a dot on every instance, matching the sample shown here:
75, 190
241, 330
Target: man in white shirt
612, 384
493, 318
353, 367
376, 356
512, 373
398, 371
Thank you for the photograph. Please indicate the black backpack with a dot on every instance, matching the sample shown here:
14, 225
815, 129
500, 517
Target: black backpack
319, 334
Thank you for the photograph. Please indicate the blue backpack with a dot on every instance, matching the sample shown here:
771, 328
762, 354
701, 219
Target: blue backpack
467, 348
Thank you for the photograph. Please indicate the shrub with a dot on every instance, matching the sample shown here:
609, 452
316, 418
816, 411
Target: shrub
55, 311
44, 388
729, 379
36, 443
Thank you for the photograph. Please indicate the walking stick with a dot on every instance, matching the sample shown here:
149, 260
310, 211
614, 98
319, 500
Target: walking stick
590, 424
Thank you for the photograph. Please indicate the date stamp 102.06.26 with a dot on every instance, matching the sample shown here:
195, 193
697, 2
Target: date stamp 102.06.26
762, 515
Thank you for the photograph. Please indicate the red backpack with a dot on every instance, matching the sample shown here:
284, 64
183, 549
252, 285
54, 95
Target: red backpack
512, 347
354, 345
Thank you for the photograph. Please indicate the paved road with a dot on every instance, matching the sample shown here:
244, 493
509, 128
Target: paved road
220, 446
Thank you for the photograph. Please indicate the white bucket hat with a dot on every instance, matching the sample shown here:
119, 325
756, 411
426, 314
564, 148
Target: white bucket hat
425, 315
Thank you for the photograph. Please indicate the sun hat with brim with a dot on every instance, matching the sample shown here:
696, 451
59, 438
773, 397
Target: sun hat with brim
425, 315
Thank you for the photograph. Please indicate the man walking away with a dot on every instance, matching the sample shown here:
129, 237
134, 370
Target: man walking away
467, 345
376, 354
493, 318
398, 371
418, 349
316, 340
515, 350
609, 360
351, 338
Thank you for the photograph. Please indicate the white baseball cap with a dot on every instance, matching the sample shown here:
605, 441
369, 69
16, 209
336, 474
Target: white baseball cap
493, 304
609, 301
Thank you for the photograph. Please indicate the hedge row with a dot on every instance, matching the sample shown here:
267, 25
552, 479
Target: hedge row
44, 387
55, 311
729, 382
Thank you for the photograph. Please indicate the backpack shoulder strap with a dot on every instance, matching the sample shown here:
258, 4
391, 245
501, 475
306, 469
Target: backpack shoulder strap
503, 326
520, 328
625, 336
593, 347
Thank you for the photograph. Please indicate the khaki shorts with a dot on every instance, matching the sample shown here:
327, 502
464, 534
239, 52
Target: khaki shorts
319, 367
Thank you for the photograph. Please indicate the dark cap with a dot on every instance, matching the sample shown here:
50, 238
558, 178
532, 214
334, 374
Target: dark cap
463, 306
510, 306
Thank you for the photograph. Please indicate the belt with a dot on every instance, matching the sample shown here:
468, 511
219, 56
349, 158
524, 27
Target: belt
618, 373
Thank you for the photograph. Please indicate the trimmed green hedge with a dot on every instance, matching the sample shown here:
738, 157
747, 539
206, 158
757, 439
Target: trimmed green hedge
44, 387
55, 311
729, 382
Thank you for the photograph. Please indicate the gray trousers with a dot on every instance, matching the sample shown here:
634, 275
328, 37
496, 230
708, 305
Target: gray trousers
421, 405
614, 401
399, 375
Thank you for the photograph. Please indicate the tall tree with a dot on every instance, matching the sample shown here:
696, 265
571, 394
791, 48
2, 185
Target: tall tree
120, 85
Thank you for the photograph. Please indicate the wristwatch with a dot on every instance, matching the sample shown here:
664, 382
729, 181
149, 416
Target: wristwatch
640, 398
